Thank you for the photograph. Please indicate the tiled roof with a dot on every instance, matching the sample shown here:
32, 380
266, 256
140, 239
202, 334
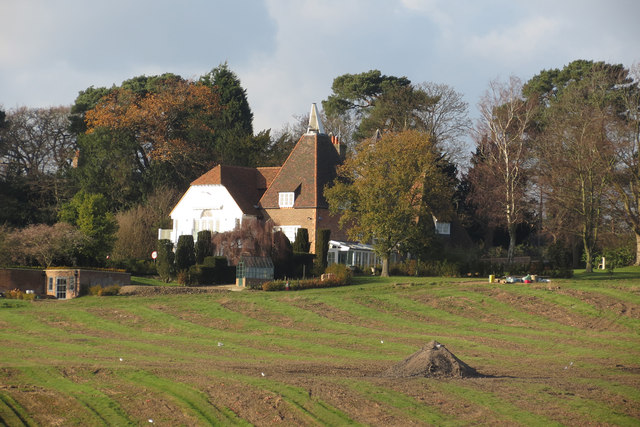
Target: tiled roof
246, 185
267, 176
310, 166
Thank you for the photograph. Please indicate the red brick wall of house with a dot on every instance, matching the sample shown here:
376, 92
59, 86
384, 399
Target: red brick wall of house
311, 219
326, 220
292, 216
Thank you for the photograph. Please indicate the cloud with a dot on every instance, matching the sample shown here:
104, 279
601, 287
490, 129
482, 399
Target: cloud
514, 44
436, 10
318, 41
112, 41
287, 52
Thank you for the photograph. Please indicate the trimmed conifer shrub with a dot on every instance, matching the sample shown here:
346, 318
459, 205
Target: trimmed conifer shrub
164, 262
204, 246
322, 249
301, 243
185, 253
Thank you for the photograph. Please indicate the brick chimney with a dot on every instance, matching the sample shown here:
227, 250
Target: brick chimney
74, 161
339, 146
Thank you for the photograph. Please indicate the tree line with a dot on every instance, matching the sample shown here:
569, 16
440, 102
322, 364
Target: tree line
114, 163
561, 152
556, 161
555, 164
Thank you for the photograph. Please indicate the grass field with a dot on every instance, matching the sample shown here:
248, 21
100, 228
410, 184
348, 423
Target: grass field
559, 353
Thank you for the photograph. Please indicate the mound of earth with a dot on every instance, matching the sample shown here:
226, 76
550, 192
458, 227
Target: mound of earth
432, 360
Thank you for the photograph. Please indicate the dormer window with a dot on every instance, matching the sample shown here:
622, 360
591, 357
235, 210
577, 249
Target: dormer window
286, 199
443, 228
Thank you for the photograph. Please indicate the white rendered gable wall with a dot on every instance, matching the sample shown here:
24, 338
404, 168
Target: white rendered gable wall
204, 207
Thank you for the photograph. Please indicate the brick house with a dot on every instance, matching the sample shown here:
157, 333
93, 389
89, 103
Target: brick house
290, 195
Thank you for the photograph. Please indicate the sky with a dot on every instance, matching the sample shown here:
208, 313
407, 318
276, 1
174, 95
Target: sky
287, 52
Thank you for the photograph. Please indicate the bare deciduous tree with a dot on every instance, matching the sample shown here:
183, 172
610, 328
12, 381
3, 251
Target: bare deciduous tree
37, 141
137, 234
447, 121
47, 244
626, 174
499, 178
254, 238
576, 154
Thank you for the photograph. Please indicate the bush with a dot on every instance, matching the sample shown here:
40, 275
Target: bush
109, 291
216, 270
137, 267
256, 286
274, 285
296, 285
103, 291
518, 269
434, 268
95, 290
341, 272
618, 257
558, 255
559, 273
18, 294
196, 273
301, 265
183, 277
185, 253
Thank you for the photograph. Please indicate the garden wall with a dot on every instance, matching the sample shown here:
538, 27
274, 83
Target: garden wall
22, 279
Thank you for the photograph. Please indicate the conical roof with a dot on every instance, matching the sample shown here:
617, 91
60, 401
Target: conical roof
315, 125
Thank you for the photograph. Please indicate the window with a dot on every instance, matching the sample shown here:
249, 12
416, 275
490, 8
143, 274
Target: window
211, 224
443, 227
286, 199
51, 284
61, 288
289, 230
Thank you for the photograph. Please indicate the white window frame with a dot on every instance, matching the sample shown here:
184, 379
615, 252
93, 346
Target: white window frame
443, 228
286, 199
289, 230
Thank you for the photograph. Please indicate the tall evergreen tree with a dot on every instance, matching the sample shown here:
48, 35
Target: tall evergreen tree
377, 101
90, 213
580, 106
234, 140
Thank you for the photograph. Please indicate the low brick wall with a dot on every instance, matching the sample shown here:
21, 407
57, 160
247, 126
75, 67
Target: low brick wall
23, 279
70, 282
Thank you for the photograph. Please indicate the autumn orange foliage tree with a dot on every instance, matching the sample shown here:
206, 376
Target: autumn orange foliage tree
170, 124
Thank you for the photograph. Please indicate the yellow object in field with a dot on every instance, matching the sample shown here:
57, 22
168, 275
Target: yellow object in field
492, 278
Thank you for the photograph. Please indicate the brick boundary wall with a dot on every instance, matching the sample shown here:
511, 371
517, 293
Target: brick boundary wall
23, 279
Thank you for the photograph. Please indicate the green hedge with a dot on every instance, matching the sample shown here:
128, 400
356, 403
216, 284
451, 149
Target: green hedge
297, 285
213, 271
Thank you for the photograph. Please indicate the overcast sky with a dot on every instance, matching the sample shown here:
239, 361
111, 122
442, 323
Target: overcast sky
287, 52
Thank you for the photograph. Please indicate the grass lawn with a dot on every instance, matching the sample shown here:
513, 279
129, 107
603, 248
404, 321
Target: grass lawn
560, 353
